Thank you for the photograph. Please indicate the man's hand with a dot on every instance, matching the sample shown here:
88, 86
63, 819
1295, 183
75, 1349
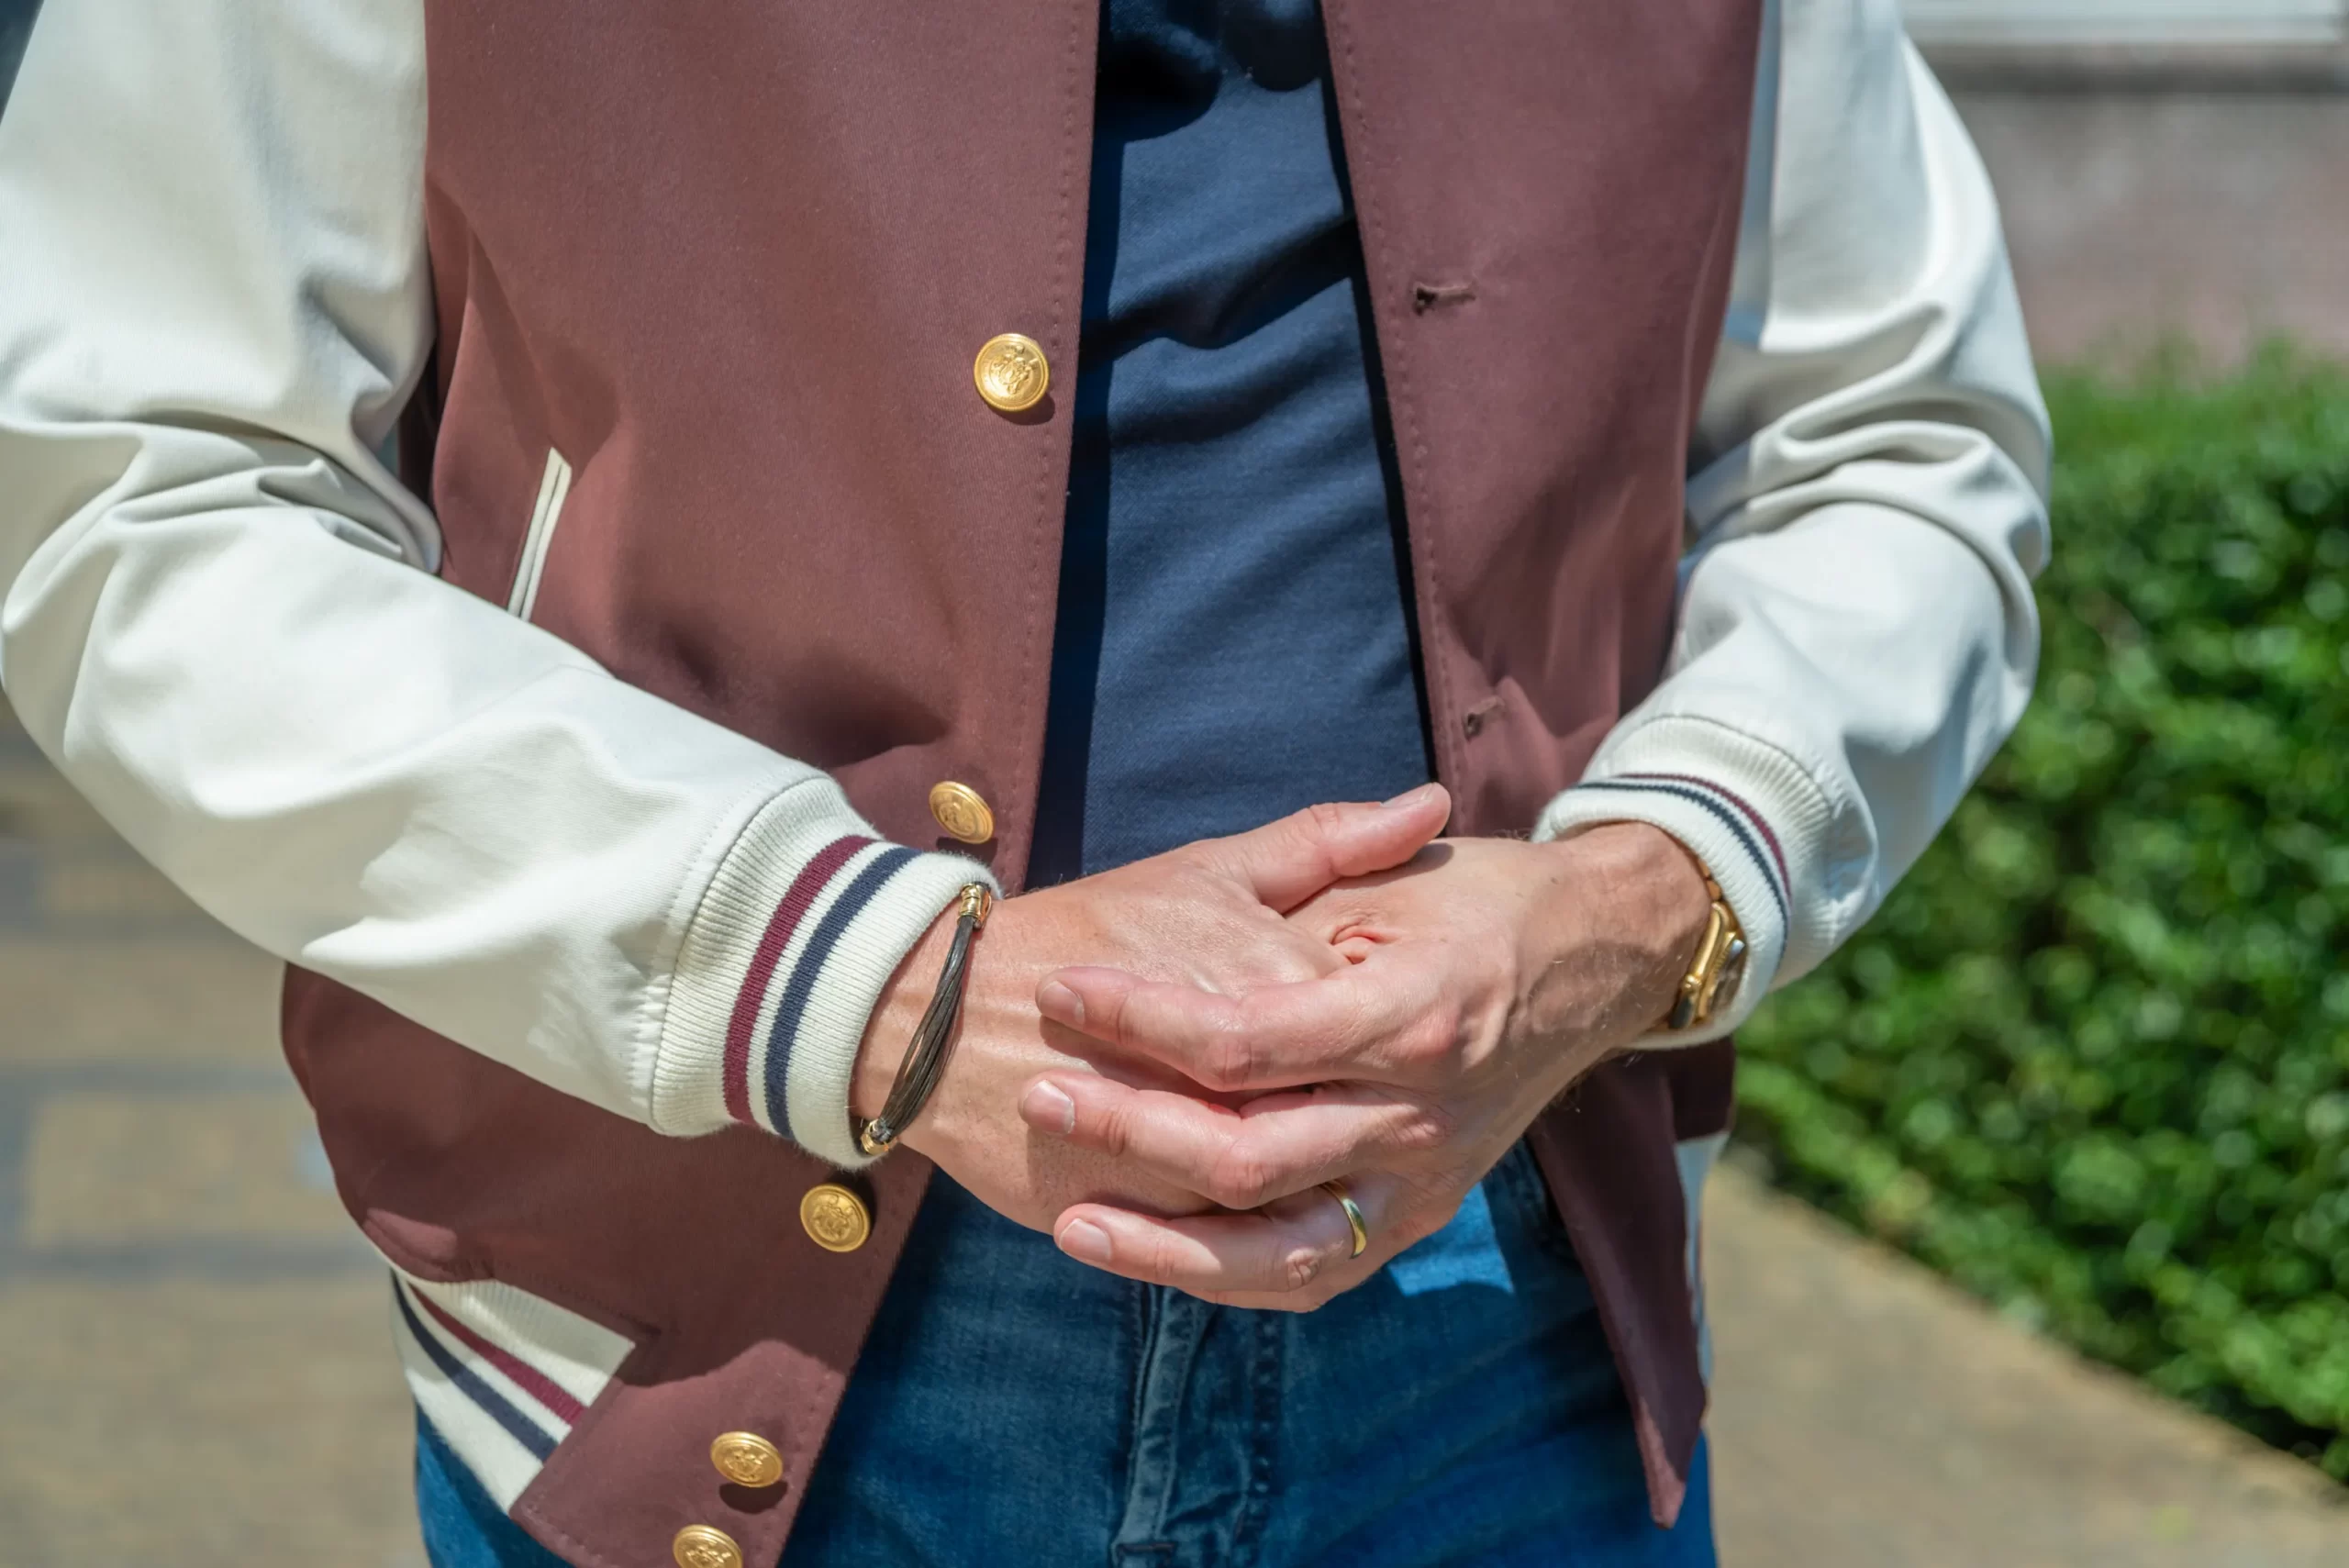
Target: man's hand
1207, 918
1483, 979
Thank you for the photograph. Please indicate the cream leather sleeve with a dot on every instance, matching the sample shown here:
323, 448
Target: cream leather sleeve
221, 619
1857, 629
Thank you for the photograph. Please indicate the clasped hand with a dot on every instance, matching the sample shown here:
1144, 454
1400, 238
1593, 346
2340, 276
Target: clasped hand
1336, 995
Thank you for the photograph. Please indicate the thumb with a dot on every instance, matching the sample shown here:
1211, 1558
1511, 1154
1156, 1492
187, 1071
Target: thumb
1285, 862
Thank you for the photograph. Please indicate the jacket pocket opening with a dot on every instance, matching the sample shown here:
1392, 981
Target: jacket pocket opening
554, 485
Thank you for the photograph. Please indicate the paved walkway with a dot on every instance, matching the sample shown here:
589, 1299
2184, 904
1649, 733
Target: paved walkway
1865, 1416
194, 1371
195, 1367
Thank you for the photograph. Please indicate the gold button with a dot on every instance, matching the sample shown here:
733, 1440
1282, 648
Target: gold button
746, 1459
1011, 373
700, 1546
960, 811
836, 1218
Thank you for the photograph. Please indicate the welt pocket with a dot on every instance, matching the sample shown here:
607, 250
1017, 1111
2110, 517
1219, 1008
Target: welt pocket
554, 488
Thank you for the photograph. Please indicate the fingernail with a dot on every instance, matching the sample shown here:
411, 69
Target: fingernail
1061, 1004
1409, 798
1048, 1105
1084, 1241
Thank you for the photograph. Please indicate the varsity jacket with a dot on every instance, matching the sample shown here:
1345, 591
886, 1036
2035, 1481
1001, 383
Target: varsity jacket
581, 763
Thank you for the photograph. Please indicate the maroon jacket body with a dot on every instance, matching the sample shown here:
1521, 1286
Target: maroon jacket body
734, 260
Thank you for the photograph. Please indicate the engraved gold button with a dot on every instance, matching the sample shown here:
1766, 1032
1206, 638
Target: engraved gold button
960, 811
700, 1546
746, 1459
1011, 373
836, 1218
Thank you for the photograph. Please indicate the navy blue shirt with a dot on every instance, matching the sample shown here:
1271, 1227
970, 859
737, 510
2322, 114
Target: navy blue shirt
1235, 636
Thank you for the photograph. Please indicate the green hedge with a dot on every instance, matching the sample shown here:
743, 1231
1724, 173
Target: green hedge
2092, 1058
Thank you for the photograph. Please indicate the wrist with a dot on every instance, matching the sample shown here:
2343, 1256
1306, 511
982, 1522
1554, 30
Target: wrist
1647, 894
889, 1031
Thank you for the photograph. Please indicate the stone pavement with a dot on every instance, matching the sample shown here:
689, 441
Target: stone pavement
195, 1366
1866, 1416
195, 1372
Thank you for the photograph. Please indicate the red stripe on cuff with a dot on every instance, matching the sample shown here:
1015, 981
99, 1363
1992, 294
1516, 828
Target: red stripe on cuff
1761, 824
796, 901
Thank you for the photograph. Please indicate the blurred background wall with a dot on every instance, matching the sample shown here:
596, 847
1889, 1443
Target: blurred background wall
2169, 169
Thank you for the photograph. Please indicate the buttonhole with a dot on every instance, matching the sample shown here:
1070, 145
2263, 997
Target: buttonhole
1427, 296
1472, 721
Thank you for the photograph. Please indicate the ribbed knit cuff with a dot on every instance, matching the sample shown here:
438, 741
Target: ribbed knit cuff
1756, 820
807, 916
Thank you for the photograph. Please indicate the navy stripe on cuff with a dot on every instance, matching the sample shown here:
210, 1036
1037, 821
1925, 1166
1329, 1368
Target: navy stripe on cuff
1727, 817
804, 976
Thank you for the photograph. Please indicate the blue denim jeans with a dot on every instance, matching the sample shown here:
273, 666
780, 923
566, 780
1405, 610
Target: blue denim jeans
1013, 1407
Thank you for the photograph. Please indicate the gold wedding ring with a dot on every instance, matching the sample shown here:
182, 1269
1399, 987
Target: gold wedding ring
1353, 1216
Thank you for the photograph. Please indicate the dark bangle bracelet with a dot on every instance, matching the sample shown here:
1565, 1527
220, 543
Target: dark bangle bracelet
933, 1041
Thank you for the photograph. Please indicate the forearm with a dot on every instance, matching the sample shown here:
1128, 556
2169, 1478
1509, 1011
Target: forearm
1857, 633
221, 618
376, 776
1612, 918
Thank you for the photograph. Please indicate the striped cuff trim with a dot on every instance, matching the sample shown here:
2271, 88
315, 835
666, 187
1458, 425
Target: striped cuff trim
1745, 825
790, 947
1758, 817
789, 915
792, 1010
1761, 824
770, 1012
